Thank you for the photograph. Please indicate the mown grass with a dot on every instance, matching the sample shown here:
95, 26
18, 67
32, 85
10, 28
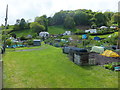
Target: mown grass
56, 29
24, 32
50, 68
51, 30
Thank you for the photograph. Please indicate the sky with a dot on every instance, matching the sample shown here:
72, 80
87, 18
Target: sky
29, 9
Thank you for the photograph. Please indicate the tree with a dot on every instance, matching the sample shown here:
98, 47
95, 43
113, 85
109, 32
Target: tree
18, 21
101, 19
69, 22
116, 18
22, 23
81, 18
42, 21
58, 18
2, 26
109, 17
37, 27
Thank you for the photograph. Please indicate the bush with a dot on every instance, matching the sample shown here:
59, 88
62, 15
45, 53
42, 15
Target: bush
8, 42
23, 38
79, 31
30, 42
113, 39
65, 37
111, 65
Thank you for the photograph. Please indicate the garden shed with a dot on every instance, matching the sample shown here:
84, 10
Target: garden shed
36, 42
79, 56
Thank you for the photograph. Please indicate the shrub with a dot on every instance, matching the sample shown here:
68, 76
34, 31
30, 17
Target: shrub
30, 42
79, 31
65, 37
23, 38
8, 42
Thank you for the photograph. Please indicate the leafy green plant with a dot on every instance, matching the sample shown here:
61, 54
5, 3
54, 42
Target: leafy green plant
30, 42
8, 42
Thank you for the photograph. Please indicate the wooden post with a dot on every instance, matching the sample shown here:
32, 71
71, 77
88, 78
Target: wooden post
6, 18
118, 43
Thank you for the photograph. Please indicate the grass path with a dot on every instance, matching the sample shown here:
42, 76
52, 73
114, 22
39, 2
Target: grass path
50, 68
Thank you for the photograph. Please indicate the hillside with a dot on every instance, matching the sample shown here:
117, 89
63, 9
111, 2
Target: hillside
51, 30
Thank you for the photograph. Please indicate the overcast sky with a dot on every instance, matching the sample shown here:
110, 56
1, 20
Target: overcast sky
29, 9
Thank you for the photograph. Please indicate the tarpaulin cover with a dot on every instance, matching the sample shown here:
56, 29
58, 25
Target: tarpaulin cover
84, 36
97, 38
109, 53
97, 49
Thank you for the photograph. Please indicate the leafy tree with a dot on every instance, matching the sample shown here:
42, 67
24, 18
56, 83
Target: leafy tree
81, 18
50, 19
109, 17
58, 18
116, 18
2, 26
42, 21
18, 21
22, 23
8, 42
101, 19
37, 27
69, 22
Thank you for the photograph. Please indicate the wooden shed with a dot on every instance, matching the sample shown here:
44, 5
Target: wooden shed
36, 42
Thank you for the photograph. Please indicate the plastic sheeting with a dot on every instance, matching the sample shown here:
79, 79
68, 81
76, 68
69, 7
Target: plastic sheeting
84, 36
109, 53
97, 49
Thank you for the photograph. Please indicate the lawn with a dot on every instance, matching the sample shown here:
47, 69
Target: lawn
24, 32
50, 68
51, 30
56, 29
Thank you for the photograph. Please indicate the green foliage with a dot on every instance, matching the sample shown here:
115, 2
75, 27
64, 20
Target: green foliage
69, 22
8, 42
101, 19
81, 18
111, 65
79, 31
30, 42
113, 39
65, 37
116, 18
16, 27
58, 18
42, 21
22, 23
23, 38
37, 27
